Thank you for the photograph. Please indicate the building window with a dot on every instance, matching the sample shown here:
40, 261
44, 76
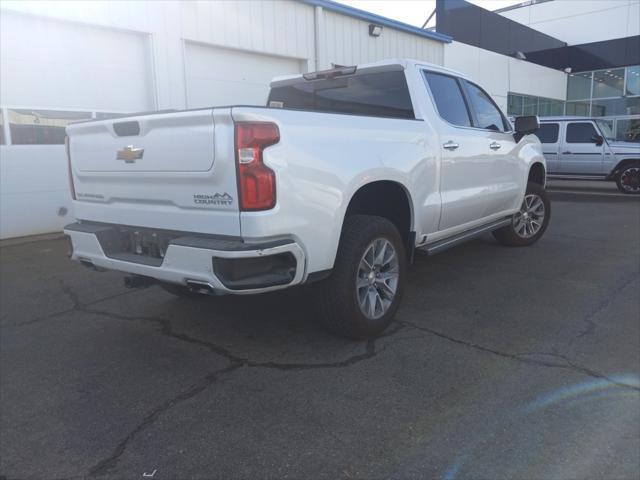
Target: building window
514, 104
518, 105
548, 107
529, 105
633, 81
579, 86
41, 127
604, 93
616, 106
580, 109
608, 83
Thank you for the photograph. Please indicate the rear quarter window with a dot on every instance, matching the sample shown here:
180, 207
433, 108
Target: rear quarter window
380, 94
548, 133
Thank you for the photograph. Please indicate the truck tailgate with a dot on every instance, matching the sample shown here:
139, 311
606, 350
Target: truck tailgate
168, 171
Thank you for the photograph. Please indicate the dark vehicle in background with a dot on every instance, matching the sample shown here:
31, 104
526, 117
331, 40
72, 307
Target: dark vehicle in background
585, 148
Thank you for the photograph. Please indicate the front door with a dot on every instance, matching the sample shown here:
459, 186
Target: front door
580, 154
479, 173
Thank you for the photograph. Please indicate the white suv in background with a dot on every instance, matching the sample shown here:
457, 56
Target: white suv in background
585, 148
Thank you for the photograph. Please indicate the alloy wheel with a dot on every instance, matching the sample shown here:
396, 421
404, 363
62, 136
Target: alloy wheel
630, 179
529, 220
377, 279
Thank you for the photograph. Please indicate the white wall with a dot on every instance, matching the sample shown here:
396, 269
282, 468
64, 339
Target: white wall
55, 63
346, 41
34, 190
499, 74
125, 56
224, 76
282, 27
581, 21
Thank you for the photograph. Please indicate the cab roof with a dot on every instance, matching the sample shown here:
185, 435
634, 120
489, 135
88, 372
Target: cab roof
565, 119
382, 65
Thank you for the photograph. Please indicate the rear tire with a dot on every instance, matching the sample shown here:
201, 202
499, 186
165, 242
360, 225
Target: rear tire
530, 223
362, 294
628, 179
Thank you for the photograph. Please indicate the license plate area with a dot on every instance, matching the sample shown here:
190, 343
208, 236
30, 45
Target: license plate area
137, 245
144, 242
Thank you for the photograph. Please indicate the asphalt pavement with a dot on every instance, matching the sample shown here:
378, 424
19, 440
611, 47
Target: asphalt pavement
503, 364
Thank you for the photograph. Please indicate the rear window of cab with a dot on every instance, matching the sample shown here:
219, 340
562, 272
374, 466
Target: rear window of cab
378, 94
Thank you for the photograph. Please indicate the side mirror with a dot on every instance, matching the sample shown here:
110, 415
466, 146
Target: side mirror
597, 139
526, 125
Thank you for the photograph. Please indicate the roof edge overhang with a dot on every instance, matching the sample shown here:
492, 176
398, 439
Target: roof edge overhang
378, 20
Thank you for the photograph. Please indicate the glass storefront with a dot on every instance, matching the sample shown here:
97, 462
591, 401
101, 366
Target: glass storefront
518, 105
604, 93
612, 93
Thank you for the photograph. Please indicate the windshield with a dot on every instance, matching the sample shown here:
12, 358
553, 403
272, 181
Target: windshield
605, 128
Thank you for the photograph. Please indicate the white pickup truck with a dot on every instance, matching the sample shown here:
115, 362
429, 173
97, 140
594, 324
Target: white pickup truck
336, 181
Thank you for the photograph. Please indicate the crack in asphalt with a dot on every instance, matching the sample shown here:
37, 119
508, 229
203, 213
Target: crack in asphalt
236, 362
75, 303
105, 465
566, 363
591, 325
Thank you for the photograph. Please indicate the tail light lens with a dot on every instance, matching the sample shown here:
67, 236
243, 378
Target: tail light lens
67, 148
256, 181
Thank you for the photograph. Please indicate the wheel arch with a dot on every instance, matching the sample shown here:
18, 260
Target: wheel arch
389, 199
623, 163
537, 174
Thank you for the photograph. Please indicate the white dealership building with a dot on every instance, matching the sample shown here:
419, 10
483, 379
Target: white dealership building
62, 61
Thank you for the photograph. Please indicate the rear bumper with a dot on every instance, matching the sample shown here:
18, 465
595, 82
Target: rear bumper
224, 265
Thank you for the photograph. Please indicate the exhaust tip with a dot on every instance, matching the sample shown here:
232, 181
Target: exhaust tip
85, 262
198, 286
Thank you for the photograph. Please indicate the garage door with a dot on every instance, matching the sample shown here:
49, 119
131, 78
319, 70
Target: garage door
55, 63
220, 76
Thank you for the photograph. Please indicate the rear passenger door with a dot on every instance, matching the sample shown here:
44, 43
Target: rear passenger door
549, 136
580, 155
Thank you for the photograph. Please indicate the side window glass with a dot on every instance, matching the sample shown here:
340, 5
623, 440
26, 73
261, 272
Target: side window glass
580, 132
448, 98
488, 115
548, 132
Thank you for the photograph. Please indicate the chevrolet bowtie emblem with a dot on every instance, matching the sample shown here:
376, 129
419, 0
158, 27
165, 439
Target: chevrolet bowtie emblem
130, 154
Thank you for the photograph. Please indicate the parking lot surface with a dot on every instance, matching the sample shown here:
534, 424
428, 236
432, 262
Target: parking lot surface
503, 363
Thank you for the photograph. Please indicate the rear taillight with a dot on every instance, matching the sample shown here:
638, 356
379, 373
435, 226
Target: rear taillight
67, 148
256, 181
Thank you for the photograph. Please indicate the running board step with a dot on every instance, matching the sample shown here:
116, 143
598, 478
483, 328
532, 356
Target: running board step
445, 244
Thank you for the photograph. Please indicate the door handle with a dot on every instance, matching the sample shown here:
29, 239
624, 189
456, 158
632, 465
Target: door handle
495, 146
566, 153
450, 145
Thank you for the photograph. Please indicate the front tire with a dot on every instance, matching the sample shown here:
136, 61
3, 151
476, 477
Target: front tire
529, 224
362, 294
628, 179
